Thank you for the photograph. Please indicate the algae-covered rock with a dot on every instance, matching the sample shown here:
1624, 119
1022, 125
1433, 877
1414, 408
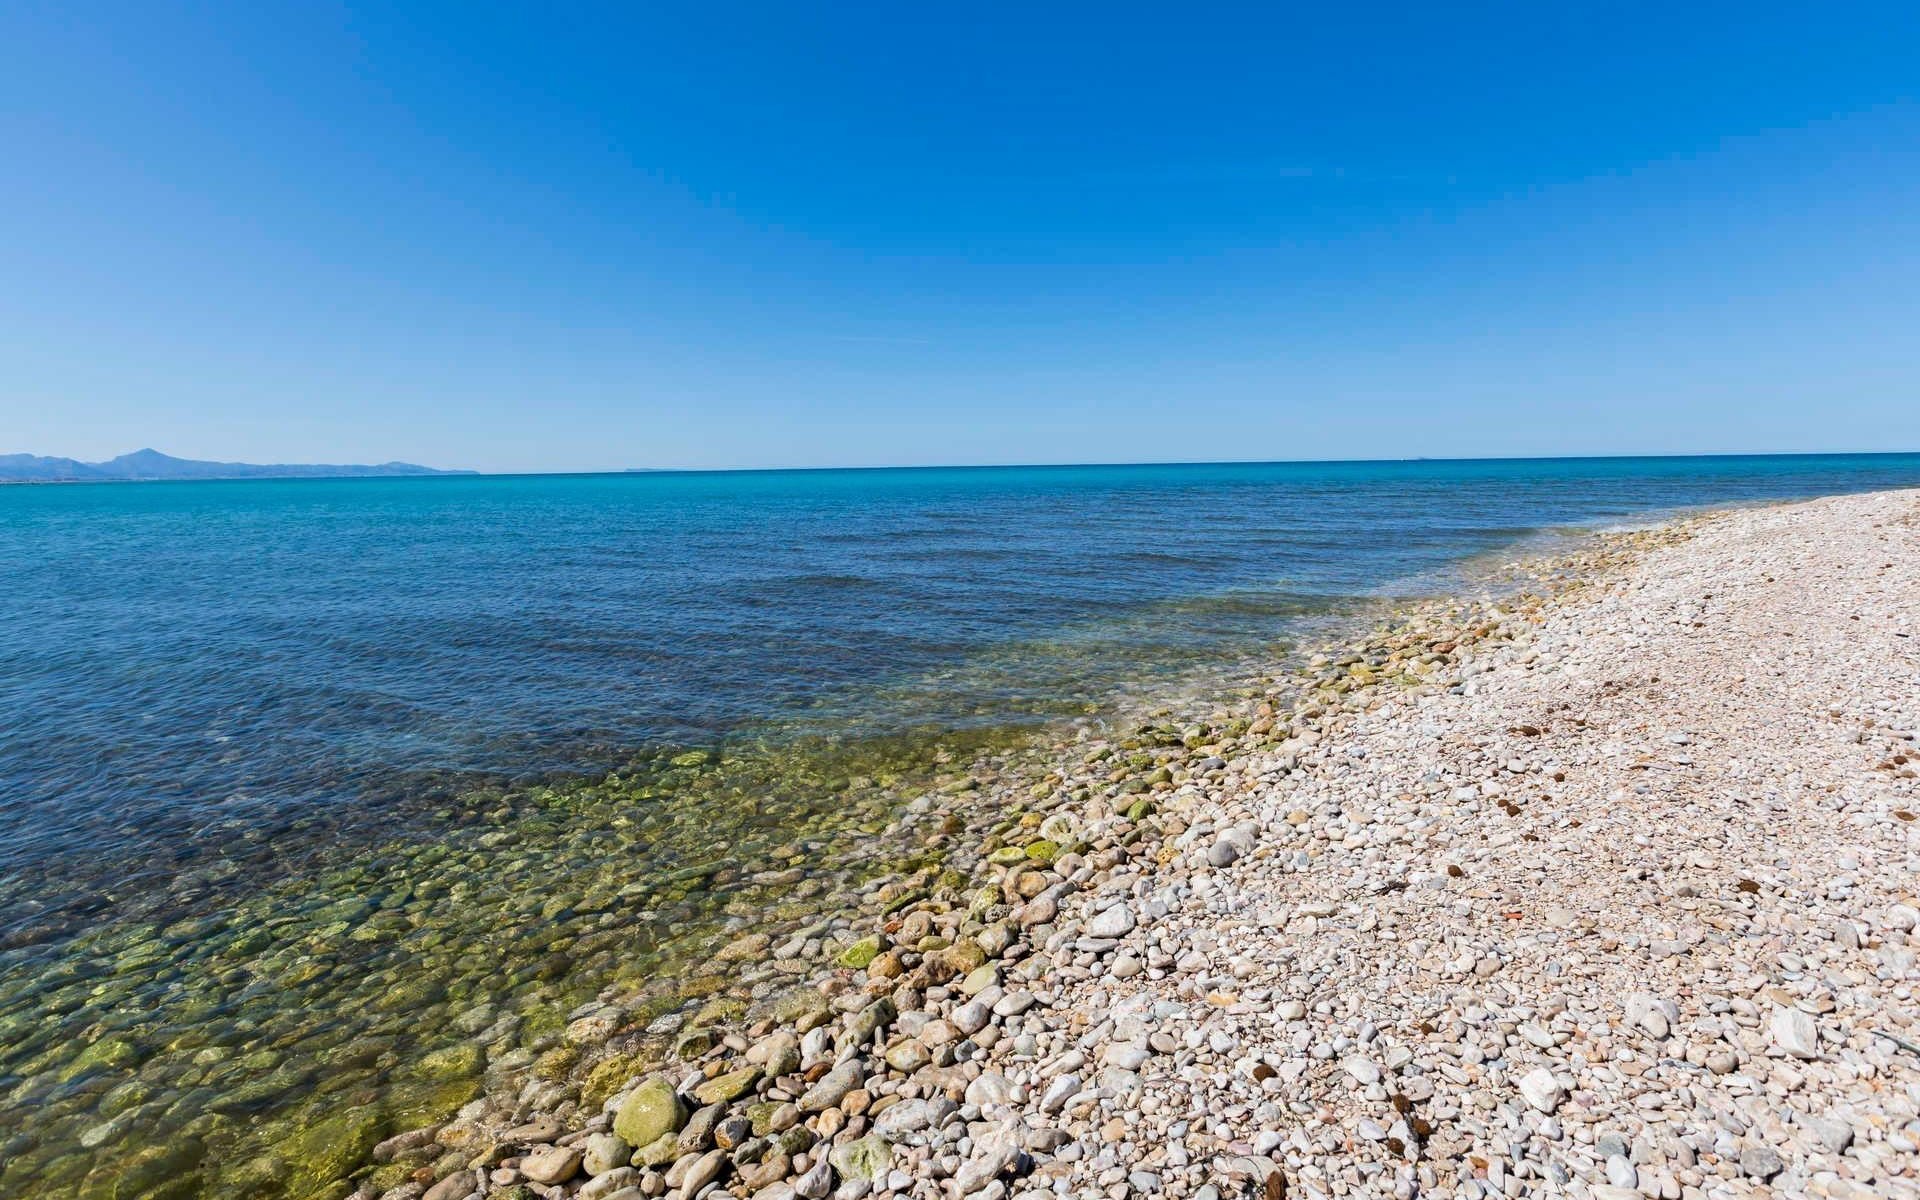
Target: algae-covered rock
965, 955
724, 1088
651, 1112
260, 1176
769, 1117
165, 1170
777, 1054
869, 1021
862, 952
719, 1011
391, 1175
411, 995
911, 896
331, 1148
453, 1062
795, 1139
605, 1152
694, 1043
657, 1153
107, 1054
131, 1094
864, 1158
744, 949
555, 1063
608, 1076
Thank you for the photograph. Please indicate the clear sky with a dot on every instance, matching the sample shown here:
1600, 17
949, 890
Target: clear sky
567, 236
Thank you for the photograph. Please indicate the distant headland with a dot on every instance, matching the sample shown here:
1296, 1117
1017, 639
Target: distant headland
143, 465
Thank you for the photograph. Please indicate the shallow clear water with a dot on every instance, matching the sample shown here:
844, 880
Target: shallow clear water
276, 873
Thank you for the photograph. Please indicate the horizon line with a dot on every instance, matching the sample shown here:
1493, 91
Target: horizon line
1221, 462
444, 473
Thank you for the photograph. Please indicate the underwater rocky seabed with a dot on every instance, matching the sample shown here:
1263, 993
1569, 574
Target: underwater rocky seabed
265, 1048
261, 1048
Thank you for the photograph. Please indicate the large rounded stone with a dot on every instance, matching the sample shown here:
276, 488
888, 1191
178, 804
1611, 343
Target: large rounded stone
650, 1113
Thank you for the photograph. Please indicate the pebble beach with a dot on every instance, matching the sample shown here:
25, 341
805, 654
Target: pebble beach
1604, 889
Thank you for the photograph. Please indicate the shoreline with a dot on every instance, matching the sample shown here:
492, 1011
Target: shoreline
930, 953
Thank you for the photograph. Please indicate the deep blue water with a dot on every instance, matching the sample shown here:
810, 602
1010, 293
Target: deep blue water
183, 664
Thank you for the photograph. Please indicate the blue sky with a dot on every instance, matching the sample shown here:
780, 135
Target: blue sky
585, 237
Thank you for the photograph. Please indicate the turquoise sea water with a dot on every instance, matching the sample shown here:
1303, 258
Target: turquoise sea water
189, 667
278, 871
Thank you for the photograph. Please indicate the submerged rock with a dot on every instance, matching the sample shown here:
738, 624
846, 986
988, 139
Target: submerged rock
652, 1112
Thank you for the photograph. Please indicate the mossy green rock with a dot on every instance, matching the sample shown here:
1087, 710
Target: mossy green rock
608, 1076
694, 1043
167, 1170
794, 1140
555, 1063
659, 1152
869, 1021
1006, 856
411, 995
385, 1178
1043, 851
454, 1062
107, 1054
965, 955
719, 1011
131, 1094
724, 1088
259, 1176
802, 1006
864, 1158
650, 1113
862, 952
332, 1148
912, 896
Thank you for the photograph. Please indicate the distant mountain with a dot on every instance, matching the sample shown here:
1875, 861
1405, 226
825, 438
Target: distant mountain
151, 464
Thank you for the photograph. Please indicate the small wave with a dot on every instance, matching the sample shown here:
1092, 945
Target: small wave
828, 581
1164, 558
